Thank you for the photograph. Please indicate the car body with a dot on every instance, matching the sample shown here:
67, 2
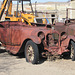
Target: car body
47, 39
14, 34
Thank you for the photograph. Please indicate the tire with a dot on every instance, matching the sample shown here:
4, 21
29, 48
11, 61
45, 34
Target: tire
72, 53
31, 52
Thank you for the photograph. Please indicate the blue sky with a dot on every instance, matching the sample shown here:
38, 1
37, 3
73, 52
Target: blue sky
47, 0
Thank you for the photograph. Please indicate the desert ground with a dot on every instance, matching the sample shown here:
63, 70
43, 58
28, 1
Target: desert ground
17, 65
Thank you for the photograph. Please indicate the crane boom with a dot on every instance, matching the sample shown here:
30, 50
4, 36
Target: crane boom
3, 8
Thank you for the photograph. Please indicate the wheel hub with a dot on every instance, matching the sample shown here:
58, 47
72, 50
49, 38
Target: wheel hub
30, 53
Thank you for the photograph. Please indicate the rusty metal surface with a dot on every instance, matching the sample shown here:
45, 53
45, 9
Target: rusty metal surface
13, 34
55, 41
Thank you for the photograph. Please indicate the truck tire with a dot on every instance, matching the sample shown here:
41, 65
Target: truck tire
31, 52
72, 54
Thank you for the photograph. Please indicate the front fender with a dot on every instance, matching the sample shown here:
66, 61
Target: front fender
70, 38
35, 39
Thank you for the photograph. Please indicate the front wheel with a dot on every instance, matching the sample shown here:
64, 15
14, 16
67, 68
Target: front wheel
72, 55
31, 52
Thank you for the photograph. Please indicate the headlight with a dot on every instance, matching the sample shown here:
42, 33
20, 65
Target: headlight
41, 35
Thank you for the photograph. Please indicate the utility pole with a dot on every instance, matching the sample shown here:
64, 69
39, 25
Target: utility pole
56, 10
35, 9
22, 6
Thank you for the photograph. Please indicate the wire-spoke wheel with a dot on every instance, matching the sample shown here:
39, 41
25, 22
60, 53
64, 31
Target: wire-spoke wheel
72, 55
31, 52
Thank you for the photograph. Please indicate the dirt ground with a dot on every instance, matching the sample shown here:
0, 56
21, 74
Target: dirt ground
17, 65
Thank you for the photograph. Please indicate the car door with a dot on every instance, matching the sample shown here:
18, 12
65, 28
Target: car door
15, 35
5, 37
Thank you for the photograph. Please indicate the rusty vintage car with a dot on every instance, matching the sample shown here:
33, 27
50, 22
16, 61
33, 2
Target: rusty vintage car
38, 39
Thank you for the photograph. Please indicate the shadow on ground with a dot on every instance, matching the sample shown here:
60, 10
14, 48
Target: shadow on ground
66, 56
42, 60
2, 51
21, 55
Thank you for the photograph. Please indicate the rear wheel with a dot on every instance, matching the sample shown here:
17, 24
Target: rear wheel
31, 52
72, 55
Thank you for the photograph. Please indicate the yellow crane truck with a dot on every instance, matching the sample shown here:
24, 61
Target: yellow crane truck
28, 18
